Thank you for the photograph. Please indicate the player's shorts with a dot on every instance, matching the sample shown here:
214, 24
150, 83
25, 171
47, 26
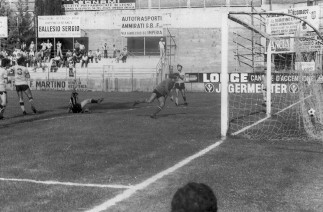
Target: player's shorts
22, 87
158, 95
77, 108
180, 86
3, 92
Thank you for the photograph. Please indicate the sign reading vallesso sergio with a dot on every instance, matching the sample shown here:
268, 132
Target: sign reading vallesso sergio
141, 25
74, 5
59, 26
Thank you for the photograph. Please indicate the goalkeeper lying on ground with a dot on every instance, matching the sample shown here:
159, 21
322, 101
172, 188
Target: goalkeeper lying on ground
77, 107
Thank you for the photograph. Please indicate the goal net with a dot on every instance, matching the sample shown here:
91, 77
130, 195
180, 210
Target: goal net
294, 61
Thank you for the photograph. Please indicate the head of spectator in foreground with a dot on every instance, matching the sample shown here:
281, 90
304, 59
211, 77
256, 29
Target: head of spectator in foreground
5, 62
194, 197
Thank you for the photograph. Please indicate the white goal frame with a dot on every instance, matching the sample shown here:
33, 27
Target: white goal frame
224, 65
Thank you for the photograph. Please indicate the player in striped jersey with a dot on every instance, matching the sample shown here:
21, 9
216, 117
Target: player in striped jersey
160, 93
3, 82
21, 81
76, 107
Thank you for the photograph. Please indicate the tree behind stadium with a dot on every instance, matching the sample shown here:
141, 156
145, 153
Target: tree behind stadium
48, 7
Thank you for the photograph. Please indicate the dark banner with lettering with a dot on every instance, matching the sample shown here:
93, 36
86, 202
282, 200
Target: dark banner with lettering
251, 77
75, 5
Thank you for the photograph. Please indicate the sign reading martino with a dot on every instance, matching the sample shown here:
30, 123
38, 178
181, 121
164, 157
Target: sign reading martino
75, 5
59, 26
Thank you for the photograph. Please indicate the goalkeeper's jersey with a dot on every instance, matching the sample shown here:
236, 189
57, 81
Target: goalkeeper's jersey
165, 86
3, 77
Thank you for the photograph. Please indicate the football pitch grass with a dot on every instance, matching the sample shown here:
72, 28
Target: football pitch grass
118, 159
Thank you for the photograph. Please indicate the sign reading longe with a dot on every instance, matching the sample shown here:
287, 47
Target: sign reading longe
142, 26
3, 27
59, 26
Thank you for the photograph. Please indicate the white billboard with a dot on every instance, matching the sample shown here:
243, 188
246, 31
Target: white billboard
59, 26
4, 27
286, 25
142, 26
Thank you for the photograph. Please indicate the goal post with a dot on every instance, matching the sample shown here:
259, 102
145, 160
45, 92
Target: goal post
293, 86
224, 74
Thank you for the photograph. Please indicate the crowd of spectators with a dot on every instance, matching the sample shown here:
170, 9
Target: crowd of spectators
44, 56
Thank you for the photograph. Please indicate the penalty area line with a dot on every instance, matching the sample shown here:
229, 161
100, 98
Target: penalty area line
264, 119
131, 191
67, 183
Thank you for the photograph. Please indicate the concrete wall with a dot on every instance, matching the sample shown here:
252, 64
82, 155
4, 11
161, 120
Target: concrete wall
197, 33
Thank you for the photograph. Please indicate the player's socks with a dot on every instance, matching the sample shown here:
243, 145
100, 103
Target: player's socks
2, 108
22, 106
155, 113
31, 100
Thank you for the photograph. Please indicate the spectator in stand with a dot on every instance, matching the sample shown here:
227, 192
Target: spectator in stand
58, 61
118, 56
85, 60
97, 55
68, 55
90, 56
124, 55
82, 48
77, 56
43, 49
49, 50
114, 51
32, 49
23, 46
77, 46
162, 47
59, 49
18, 45
105, 50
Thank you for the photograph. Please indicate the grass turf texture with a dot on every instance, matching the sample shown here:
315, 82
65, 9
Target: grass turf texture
116, 144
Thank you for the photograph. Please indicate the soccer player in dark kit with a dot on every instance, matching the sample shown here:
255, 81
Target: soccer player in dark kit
160, 93
76, 107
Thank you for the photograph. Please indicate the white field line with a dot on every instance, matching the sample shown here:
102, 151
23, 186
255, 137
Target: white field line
131, 191
67, 183
264, 119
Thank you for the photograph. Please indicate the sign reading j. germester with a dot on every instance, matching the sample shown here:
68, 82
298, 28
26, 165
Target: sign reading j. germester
141, 26
3, 27
59, 26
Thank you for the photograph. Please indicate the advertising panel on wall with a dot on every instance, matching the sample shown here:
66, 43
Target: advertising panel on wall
59, 26
88, 5
286, 25
3, 27
252, 82
141, 26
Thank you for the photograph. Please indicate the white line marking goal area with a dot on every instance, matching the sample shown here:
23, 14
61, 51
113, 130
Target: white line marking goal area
131, 191
67, 183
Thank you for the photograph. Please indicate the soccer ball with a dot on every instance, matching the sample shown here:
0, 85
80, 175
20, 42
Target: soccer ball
311, 112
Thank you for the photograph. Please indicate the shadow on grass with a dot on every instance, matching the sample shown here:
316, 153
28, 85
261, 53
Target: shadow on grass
164, 115
107, 106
